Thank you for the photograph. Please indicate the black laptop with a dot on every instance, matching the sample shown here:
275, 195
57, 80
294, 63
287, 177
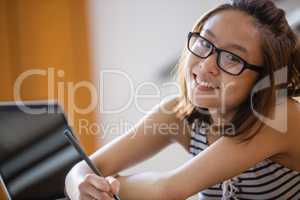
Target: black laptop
35, 156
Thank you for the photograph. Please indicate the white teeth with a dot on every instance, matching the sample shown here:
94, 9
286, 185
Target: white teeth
206, 84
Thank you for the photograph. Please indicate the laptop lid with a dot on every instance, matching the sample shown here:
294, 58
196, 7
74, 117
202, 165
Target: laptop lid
34, 153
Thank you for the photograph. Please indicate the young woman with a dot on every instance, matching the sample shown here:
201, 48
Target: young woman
240, 67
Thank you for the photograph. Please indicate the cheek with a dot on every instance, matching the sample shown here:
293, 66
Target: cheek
191, 62
188, 67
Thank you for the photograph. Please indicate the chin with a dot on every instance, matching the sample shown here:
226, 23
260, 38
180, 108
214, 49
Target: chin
205, 102
213, 102
205, 99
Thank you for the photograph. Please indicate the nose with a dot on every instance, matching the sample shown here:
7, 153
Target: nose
209, 65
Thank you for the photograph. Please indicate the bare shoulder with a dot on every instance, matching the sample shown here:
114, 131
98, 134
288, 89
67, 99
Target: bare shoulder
293, 119
169, 104
164, 111
280, 128
293, 122
291, 138
293, 106
284, 132
285, 119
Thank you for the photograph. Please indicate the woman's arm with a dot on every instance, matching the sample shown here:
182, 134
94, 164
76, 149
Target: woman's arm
154, 132
224, 159
143, 186
150, 135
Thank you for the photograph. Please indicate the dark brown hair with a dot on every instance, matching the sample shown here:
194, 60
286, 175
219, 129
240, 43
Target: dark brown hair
280, 49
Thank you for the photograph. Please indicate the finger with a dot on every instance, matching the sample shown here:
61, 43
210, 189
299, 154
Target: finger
98, 182
85, 197
106, 196
114, 183
91, 191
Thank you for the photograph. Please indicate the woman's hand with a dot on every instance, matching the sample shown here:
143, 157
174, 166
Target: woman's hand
94, 187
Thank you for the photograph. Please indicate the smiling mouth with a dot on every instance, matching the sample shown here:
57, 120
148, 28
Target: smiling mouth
203, 83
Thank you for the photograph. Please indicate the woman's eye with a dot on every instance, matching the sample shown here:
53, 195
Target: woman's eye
233, 58
205, 44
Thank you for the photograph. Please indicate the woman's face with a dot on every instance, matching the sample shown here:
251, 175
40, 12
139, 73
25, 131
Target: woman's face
235, 32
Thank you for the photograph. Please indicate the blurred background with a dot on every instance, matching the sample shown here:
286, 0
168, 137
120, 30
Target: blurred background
102, 53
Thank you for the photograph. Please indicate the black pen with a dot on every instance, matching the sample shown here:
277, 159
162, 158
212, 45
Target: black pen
83, 155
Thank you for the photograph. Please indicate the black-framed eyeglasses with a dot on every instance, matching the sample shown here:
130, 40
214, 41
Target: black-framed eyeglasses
226, 60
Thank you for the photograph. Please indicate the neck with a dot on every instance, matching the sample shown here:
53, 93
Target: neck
219, 118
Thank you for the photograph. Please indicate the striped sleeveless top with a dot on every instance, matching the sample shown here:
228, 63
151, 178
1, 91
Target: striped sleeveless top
266, 180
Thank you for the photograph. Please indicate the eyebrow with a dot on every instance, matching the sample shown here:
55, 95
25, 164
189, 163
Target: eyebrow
235, 46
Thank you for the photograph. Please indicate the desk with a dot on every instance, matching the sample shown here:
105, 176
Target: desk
2, 193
